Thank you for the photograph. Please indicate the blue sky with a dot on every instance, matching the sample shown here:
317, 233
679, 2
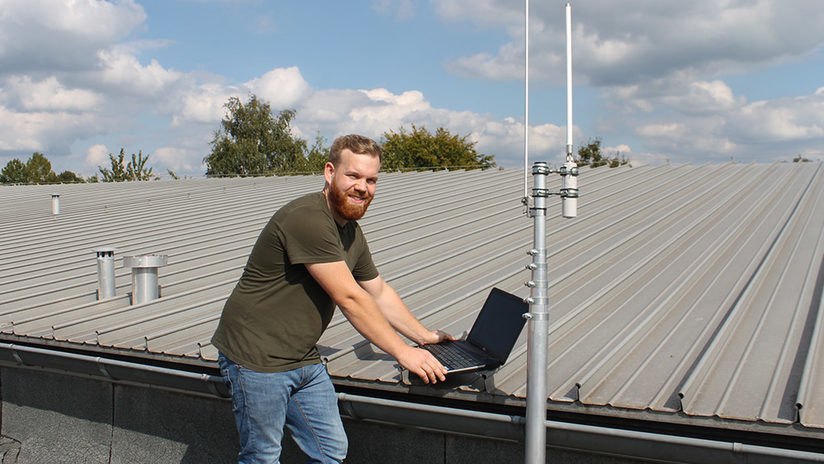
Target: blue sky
684, 82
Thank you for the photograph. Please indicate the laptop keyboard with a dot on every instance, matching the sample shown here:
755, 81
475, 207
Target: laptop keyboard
451, 356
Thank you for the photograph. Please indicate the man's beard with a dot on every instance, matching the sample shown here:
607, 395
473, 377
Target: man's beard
345, 209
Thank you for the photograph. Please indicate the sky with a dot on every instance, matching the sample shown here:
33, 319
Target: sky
704, 81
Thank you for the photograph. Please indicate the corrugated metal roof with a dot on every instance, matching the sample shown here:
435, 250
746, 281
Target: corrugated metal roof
694, 290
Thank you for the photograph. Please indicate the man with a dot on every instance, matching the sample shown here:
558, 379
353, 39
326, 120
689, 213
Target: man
311, 256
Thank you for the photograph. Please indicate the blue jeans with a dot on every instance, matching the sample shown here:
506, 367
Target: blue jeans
302, 399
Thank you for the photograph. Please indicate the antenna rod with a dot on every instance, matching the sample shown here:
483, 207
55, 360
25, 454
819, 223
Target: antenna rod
569, 79
525, 198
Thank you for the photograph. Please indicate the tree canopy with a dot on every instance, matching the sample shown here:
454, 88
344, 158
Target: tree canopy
590, 154
37, 170
136, 169
419, 149
253, 141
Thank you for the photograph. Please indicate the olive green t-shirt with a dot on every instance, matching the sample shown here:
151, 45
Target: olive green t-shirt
277, 311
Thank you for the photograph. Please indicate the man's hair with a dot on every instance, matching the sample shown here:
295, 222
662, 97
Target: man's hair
357, 144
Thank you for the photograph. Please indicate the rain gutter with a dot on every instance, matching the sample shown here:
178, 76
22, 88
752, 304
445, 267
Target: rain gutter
578, 437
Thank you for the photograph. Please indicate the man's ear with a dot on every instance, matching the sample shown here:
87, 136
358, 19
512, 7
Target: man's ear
328, 172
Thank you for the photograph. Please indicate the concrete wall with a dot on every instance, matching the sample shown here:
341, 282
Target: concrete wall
53, 418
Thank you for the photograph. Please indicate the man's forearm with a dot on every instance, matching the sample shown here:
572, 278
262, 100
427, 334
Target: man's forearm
367, 318
400, 317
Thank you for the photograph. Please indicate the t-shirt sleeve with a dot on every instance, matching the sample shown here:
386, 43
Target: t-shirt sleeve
310, 237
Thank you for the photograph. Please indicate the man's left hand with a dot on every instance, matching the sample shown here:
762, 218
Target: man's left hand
436, 336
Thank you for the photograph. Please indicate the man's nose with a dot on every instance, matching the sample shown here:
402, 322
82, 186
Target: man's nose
360, 185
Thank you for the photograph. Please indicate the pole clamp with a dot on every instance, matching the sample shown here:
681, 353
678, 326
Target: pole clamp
569, 192
541, 168
573, 171
539, 192
536, 316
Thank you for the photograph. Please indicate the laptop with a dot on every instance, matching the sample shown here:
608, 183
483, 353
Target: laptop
491, 339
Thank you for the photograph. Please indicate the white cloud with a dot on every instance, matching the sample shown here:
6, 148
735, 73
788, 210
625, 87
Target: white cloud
64, 75
203, 104
48, 95
96, 155
175, 159
728, 126
282, 88
37, 35
787, 119
123, 73
38, 131
622, 43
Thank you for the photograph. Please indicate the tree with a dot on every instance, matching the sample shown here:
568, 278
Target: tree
14, 173
590, 154
419, 149
800, 159
318, 155
36, 170
39, 171
253, 141
68, 177
135, 169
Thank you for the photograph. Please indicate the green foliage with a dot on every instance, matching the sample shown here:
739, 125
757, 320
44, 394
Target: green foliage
36, 170
14, 172
590, 154
800, 159
68, 177
252, 141
318, 155
420, 150
135, 170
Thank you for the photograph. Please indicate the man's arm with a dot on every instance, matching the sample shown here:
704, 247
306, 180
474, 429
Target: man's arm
398, 315
362, 311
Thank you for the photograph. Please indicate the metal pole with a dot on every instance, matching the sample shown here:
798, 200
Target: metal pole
538, 325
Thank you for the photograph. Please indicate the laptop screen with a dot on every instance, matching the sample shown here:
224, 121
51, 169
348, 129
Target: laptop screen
499, 324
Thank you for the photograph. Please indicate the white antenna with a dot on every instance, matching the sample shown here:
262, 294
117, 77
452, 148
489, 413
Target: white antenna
569, 171
526, 100
569, 78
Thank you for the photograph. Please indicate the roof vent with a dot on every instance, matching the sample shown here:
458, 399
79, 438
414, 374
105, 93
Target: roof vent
105, 272
144, 276
55, 203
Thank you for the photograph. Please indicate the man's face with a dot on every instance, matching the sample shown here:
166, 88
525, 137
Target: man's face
351, 185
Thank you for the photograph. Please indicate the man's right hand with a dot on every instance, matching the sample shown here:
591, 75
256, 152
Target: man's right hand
423, 364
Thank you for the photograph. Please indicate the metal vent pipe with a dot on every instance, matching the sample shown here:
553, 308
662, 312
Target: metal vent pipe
144, 276
105, 272
55, 203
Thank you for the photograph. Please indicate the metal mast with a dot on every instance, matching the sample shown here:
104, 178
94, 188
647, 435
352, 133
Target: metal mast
538, 315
